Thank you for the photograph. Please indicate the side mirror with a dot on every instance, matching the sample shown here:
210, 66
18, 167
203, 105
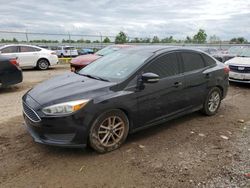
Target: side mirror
150, 77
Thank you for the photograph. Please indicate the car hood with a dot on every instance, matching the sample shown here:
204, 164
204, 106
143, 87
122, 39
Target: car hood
239, 61
84, 59
68, 87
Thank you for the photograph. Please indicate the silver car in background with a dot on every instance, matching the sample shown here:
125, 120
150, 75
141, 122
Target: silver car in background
240, 67
66, 51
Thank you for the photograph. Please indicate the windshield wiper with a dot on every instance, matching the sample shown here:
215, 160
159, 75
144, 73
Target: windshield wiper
94, 77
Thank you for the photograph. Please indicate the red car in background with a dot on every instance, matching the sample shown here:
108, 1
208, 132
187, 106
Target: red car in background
83, 60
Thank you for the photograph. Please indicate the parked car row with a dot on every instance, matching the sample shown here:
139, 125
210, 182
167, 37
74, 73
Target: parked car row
238, 60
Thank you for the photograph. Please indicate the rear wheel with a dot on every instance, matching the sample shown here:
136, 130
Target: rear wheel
212, 102
109, 131
43, 64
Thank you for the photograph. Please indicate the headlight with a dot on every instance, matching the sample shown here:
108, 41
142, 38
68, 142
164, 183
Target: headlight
65, 108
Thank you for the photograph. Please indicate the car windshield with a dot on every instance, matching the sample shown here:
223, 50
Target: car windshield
69, 48
235, 50
117, 66
245, 52
107, 50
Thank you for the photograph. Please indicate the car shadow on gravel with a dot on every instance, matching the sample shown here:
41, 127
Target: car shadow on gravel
154, 130
54, 68
10, 89
144, 134
242, 85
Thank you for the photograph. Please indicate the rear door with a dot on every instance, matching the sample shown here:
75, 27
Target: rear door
28, 56
160, 100
195, 76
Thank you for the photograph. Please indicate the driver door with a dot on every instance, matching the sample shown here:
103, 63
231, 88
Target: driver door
163, 99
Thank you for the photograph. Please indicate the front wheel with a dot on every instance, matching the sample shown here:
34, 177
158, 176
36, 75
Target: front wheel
109, 131
212, 102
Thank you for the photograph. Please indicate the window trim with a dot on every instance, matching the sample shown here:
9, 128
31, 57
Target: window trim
195, 70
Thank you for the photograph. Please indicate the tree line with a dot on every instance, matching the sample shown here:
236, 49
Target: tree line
200, 37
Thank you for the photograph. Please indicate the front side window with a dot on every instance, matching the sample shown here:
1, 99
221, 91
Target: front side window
10, 49
164, 66
28, 49
192, 61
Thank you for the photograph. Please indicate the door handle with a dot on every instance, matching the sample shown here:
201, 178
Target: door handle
177, 84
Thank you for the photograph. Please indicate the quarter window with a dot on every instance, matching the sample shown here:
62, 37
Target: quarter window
209, 60
164, 66
192, 61
10, 49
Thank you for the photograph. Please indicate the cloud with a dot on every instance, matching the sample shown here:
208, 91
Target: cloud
138, 18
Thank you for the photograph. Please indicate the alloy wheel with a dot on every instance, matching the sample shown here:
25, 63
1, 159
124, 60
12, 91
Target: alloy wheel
111, 131
214, 101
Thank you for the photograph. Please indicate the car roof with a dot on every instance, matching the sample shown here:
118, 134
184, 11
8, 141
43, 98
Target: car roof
7, 45
159, 49
122, 45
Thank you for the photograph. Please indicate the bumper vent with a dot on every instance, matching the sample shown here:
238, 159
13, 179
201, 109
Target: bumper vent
30, 113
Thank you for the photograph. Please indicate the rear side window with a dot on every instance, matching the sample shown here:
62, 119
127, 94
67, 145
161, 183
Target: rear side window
28, 49
164, 66
192, 61
209, 61
10, 49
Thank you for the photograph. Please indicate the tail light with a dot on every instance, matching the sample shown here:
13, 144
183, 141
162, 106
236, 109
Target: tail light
53, 53
226, 70
14, 62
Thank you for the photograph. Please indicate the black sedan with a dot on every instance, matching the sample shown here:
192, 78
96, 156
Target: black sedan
10, 72
121, 93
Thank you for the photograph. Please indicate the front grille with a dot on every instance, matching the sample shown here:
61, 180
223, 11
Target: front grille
240, 69
30, 113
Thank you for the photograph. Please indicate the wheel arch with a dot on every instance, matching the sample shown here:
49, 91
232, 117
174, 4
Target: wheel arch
221, 89
42, 58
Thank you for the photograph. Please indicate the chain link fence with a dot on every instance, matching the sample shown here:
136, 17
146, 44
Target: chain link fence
52, 40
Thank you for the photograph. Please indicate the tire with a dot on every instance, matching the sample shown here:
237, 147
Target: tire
43, 64
212, 102
109, 131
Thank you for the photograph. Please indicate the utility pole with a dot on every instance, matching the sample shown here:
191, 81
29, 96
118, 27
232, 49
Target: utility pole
101, 38
27, 38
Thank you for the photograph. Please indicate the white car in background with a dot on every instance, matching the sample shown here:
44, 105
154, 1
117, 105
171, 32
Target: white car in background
240, 67
30, 56
66, 51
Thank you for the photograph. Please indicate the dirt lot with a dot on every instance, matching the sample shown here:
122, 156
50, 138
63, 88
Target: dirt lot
188, 152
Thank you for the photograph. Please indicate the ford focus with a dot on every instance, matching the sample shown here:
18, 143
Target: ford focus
122, 93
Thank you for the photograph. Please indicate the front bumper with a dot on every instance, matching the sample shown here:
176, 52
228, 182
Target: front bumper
58, 131
239, 77
239, 81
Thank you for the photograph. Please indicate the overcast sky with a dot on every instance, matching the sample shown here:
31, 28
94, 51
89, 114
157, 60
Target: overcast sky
138, 18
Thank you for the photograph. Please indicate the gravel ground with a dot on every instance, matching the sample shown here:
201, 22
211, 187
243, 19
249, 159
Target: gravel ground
192, 151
